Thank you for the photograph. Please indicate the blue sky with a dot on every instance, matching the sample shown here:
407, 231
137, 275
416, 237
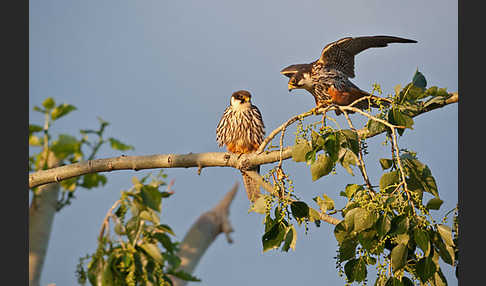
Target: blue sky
162, 73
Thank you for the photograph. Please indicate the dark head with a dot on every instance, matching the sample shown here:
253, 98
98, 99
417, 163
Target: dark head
240, 97
299, 76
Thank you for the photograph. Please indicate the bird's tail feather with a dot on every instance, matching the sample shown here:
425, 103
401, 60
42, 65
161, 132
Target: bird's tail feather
252, 188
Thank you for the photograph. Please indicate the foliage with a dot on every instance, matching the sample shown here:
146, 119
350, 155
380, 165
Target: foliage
68, 148
142, 251
390, 225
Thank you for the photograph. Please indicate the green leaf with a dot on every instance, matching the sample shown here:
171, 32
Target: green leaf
331, 145
341, 232
446, 234
181, 274
34, 128
383, 225
69, 184
399, 256
406, 281
38, 109
347, 249
310, 157
118, 145
300, 150
402, 238
314, 216
355, 270
425, 268
434, 204
392, 281
439, 278
349, 139
49, 103
153, 251
386, 163
389, 181
351, 189
375, 127
420, 175
368, 239
65, 146
421, 237
149, 215
321, 167
446, 252
173, 260
93, 180
61, 110
151, 197
317, 141
119, 229
314, 137
363, 219
165, 240
35, 141
396, 117
299, 209
349, 218
399, 224
419, 80
274, 237
348, 158
290, 239
107, 278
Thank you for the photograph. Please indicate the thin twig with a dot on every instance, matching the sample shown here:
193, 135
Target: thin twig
361, 164
105, 224
269, 188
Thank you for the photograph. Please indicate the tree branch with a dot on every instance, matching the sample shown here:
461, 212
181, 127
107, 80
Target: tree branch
202, 160
203, 232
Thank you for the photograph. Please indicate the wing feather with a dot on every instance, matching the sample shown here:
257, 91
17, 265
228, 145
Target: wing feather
340, 54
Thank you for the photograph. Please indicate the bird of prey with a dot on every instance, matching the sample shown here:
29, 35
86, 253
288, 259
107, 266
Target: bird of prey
327, 78
242, 130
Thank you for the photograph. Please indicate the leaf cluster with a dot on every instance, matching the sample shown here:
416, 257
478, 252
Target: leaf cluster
391, 227
68, 148
142, 250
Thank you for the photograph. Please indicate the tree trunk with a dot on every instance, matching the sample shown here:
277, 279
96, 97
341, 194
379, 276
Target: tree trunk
41, 216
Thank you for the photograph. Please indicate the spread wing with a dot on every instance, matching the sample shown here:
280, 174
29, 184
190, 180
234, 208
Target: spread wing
340, 54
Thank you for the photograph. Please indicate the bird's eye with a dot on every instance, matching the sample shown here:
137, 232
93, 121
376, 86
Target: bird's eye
292, 80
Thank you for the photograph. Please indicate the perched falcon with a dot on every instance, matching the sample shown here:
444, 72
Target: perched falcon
327, 78
242, 130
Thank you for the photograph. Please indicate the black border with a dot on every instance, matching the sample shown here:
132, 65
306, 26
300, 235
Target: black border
471, 148
15, 194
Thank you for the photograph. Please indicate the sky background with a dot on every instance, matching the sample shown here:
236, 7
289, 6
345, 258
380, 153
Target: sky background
162, 73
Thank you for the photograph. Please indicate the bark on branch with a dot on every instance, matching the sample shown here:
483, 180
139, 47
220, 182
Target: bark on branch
191, 160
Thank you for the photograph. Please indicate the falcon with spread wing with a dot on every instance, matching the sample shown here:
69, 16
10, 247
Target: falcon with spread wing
327, 78
242, 130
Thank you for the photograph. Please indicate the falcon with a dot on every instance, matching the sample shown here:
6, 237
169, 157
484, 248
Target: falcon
327, 78
241, 130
